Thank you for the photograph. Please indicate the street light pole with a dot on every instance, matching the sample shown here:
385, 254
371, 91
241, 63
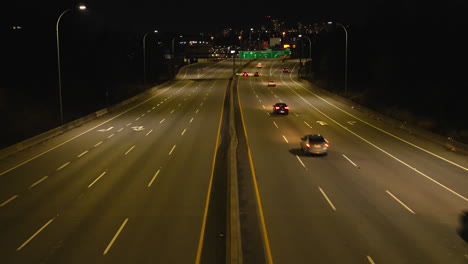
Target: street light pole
58, 64
81, 7
346, 57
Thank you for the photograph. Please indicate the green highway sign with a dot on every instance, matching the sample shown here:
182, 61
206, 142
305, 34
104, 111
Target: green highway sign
265, 54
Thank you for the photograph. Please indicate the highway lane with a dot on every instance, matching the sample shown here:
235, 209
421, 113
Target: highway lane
380, 196
129, 187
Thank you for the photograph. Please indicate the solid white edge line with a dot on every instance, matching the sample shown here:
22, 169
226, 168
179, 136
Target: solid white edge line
328, 200
398, 200
378, 128
91, 129
382, 150
115, 236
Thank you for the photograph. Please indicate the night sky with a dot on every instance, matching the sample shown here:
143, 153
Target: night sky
407, 53
196, 16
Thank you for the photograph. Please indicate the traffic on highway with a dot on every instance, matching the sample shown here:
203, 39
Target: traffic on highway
318, 180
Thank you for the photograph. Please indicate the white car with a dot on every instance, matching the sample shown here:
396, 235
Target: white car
314, 144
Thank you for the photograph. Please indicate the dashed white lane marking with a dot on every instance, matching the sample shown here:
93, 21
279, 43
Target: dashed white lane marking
130, 149
398, 200
115, 236
9, 200
39, 181
82, 153
63, 166
35, 234
350, 161
172, 149
154, 177
328, 200
102, 174
302, 163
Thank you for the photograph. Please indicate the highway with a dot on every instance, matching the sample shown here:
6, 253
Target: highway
144, 183
381, 195
131, 186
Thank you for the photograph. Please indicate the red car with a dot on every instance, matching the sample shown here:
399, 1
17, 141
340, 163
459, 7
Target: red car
245, 74
256, 74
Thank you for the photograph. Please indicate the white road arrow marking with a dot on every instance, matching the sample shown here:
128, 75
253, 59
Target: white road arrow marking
321, 123
138, 128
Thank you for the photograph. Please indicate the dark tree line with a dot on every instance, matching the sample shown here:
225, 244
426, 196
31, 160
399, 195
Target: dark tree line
101, 64
410, 65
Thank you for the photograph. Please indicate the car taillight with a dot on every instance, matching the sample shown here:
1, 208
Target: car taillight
327, 145
276, 107
307, 145
286, 107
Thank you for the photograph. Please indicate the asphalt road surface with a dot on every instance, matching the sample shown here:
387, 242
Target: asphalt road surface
132, 186
142, 184
381, 195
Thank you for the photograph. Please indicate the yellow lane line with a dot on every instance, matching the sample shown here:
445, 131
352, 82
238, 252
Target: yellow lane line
208, 196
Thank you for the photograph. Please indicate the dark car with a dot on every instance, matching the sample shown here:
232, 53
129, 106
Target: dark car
280, 108
314, 144
256, 74
285, 70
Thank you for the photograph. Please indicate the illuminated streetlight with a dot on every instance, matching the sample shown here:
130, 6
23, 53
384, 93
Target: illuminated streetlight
80, 7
